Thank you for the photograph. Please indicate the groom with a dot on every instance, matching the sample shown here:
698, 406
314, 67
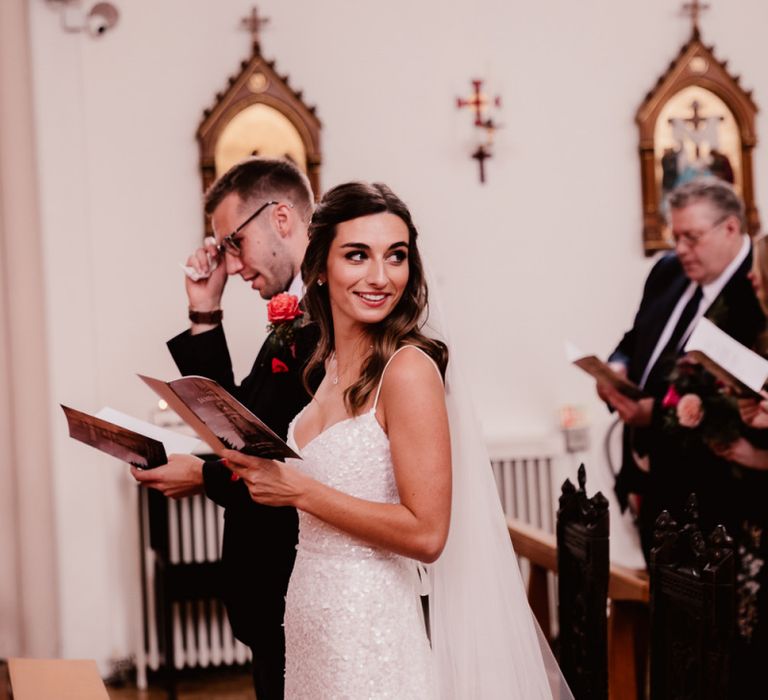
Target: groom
260, 211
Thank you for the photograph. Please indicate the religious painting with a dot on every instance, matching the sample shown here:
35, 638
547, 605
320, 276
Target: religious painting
258, 114
696, 135
697, 121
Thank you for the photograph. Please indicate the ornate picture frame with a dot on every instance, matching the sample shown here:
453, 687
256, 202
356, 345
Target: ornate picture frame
697, 120
259, 114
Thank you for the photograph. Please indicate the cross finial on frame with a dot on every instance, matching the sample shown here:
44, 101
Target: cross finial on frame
693, 9
253, 23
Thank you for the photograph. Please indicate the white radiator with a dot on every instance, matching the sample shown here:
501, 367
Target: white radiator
526, 490
202, 636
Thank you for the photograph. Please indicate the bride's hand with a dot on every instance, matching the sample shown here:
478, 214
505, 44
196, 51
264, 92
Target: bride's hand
269, 482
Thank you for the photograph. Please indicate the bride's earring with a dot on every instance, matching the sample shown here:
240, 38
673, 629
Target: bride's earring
320, 282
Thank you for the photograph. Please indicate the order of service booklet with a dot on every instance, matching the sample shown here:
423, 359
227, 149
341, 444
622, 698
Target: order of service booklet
219, 418
122, 442
602, 371
735, 365
216, 416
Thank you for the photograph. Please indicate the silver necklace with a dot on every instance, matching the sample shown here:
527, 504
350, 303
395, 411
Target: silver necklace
335, 377
336, 374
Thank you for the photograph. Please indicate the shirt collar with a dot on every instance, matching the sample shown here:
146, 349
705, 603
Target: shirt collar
711, 290
296, 287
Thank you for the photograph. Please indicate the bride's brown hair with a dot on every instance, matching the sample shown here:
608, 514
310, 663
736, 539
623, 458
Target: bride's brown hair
403, 325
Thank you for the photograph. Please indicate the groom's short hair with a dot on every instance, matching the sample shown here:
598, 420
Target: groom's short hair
263, 179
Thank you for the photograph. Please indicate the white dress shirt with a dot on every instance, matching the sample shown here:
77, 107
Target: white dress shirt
710, 292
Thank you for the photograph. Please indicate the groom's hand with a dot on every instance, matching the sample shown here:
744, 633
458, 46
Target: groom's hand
181, 477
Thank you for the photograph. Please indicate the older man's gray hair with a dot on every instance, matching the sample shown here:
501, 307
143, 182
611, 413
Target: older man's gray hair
718, 193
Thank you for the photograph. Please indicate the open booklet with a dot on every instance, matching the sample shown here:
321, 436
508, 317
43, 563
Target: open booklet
219, 418
214, 414
603, 372
743, 371
131, 440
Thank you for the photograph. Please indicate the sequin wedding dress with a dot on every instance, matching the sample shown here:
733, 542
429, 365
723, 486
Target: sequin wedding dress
354, 627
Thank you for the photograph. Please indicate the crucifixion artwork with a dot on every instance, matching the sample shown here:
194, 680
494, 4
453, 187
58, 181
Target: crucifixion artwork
697, 121
696, 134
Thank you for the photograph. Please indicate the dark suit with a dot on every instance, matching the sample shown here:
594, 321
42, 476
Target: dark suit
676, 472
259, 545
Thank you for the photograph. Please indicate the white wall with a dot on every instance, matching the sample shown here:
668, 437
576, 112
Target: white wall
548, 249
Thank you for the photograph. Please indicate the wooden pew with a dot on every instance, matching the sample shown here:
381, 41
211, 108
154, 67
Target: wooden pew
693, 600
628, 594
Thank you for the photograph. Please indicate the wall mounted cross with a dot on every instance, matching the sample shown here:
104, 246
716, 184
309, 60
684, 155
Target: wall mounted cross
694, 9
253, 23
479, 103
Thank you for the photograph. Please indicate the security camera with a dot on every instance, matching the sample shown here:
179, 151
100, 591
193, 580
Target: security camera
101, 17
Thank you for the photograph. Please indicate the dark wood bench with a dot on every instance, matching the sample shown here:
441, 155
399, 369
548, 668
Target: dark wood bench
628, 597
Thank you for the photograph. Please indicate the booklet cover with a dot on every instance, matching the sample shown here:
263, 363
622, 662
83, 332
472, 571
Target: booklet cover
601, 371
219, 418
129, 446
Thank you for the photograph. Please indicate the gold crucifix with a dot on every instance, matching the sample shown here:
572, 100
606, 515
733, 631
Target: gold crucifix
253, 23
694, 8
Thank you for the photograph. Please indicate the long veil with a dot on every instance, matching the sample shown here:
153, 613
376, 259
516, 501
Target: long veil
485, 640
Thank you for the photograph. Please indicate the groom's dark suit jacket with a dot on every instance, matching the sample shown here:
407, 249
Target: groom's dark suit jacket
675, 472
259, 541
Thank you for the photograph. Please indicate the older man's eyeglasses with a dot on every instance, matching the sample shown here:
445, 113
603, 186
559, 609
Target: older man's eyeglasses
692, 238
231, 243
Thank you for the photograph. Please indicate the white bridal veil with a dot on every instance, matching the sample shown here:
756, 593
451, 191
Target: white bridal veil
485, 640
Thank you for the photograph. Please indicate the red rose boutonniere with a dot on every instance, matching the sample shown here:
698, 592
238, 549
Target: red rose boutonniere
284, 316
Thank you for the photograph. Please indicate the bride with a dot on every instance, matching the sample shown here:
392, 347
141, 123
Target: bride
393, 476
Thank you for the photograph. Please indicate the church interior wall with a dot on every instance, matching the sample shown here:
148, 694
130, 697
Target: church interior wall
548, 249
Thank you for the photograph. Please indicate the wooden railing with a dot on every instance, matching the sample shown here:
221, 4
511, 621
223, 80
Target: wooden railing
628, 594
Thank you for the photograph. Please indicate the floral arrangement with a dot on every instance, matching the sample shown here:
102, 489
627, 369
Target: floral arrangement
698, 407
284, 316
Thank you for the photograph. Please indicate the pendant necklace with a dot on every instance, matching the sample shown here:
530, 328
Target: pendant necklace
335, 377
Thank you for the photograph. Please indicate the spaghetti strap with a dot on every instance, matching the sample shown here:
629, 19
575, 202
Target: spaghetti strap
392, 357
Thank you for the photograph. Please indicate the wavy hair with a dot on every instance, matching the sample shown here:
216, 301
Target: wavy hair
403, 325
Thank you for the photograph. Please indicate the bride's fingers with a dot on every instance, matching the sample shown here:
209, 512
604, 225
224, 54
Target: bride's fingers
242, 464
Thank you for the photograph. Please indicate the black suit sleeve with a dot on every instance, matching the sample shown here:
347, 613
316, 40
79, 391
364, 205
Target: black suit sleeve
219, 486
206, 354
658, 279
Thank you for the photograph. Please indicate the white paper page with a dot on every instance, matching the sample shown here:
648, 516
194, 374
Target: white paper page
174, 443
572, 352
739, 360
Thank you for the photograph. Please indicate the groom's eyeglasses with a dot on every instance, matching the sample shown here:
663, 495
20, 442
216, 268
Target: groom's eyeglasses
231, 243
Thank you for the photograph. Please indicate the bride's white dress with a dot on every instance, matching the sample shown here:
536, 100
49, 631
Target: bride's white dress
354, 626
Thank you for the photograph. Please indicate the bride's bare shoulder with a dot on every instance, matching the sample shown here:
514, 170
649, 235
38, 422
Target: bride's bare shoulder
409, 369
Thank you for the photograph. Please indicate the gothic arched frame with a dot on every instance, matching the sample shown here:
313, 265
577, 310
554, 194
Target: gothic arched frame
695, 65
258, 83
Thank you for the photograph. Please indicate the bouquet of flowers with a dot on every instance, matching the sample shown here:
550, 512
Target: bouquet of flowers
284, 316
698, 407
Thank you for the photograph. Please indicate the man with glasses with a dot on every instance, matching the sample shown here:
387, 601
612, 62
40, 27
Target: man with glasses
706, 276
260, 211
